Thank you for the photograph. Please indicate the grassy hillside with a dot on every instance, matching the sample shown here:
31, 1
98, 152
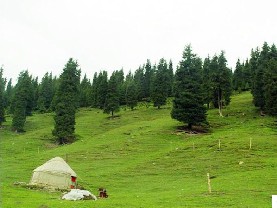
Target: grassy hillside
143, 160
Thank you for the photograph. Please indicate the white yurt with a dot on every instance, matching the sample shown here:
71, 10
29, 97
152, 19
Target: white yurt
55, 173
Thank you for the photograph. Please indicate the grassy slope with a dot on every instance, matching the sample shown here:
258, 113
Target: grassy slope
143, 162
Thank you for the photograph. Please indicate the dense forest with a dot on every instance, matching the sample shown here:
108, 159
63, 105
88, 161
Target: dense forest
195, 85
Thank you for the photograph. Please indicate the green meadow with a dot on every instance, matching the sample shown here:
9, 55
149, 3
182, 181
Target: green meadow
143, 159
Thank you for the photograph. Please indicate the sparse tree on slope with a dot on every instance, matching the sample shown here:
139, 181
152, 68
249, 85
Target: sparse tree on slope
188, 103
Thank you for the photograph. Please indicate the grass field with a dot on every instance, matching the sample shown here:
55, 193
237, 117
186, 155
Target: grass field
143, 161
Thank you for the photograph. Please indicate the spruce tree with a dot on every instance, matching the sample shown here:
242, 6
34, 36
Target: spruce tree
258, 80
66, 103
85, 92
188, 103
160, 85
221, 82
206, 77
148, 77
102, 89
238, 81
2, 88
112, 98
45, 93
8, 96
22, 104
139, 80
270, 80
130, 92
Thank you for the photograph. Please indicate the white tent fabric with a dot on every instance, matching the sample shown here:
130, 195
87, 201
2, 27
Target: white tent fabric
55, 173
77, 194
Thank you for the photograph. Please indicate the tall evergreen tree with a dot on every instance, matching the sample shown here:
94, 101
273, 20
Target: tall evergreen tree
238, 78
139, 80
160, 84
188, 103
131, 94
35, 86
221, 82
94, 87
8, 96
66, 104
45, 93
270, 80
171, 78
148, 77
207, 86
112, 98
22, 103
258, 81
102, 89
85, 92
2, 88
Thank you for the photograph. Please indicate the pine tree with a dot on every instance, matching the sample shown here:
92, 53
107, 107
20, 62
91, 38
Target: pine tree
131, 94
2, 88
8, 96
45, 93
94, 87
112, 98
102, 89
148, 77
258, 80
270, 80
160, 85
188, 103
139, 80
171, 78
22, 104
221, 82
207, 86
66, 103
238, 78
85, 92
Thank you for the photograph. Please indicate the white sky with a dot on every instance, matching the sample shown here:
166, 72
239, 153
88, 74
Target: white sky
41, 35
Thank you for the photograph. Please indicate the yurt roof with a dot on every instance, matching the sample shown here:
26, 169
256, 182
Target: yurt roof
56, 165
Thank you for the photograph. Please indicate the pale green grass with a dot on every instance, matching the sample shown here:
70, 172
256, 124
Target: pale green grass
144, 162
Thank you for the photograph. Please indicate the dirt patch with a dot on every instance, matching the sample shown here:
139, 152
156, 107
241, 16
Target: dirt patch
193, 131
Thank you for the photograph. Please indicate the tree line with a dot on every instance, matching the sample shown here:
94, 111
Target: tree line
195, 86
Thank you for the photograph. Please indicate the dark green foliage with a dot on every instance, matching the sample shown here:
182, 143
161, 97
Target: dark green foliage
85, 92
131, 95
148, 78
238, 78
2, 103
66, 103
160, 86
8, 96
112, 98
221, 78
188, 103
270, 80
139, 80
258, 81
171, 79
45, 93
22, 101
101, 89
35, 86
206, 80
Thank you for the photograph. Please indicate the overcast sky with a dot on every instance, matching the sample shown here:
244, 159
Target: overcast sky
41, 35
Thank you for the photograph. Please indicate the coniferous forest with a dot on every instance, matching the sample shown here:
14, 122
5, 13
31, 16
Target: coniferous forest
194, 86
